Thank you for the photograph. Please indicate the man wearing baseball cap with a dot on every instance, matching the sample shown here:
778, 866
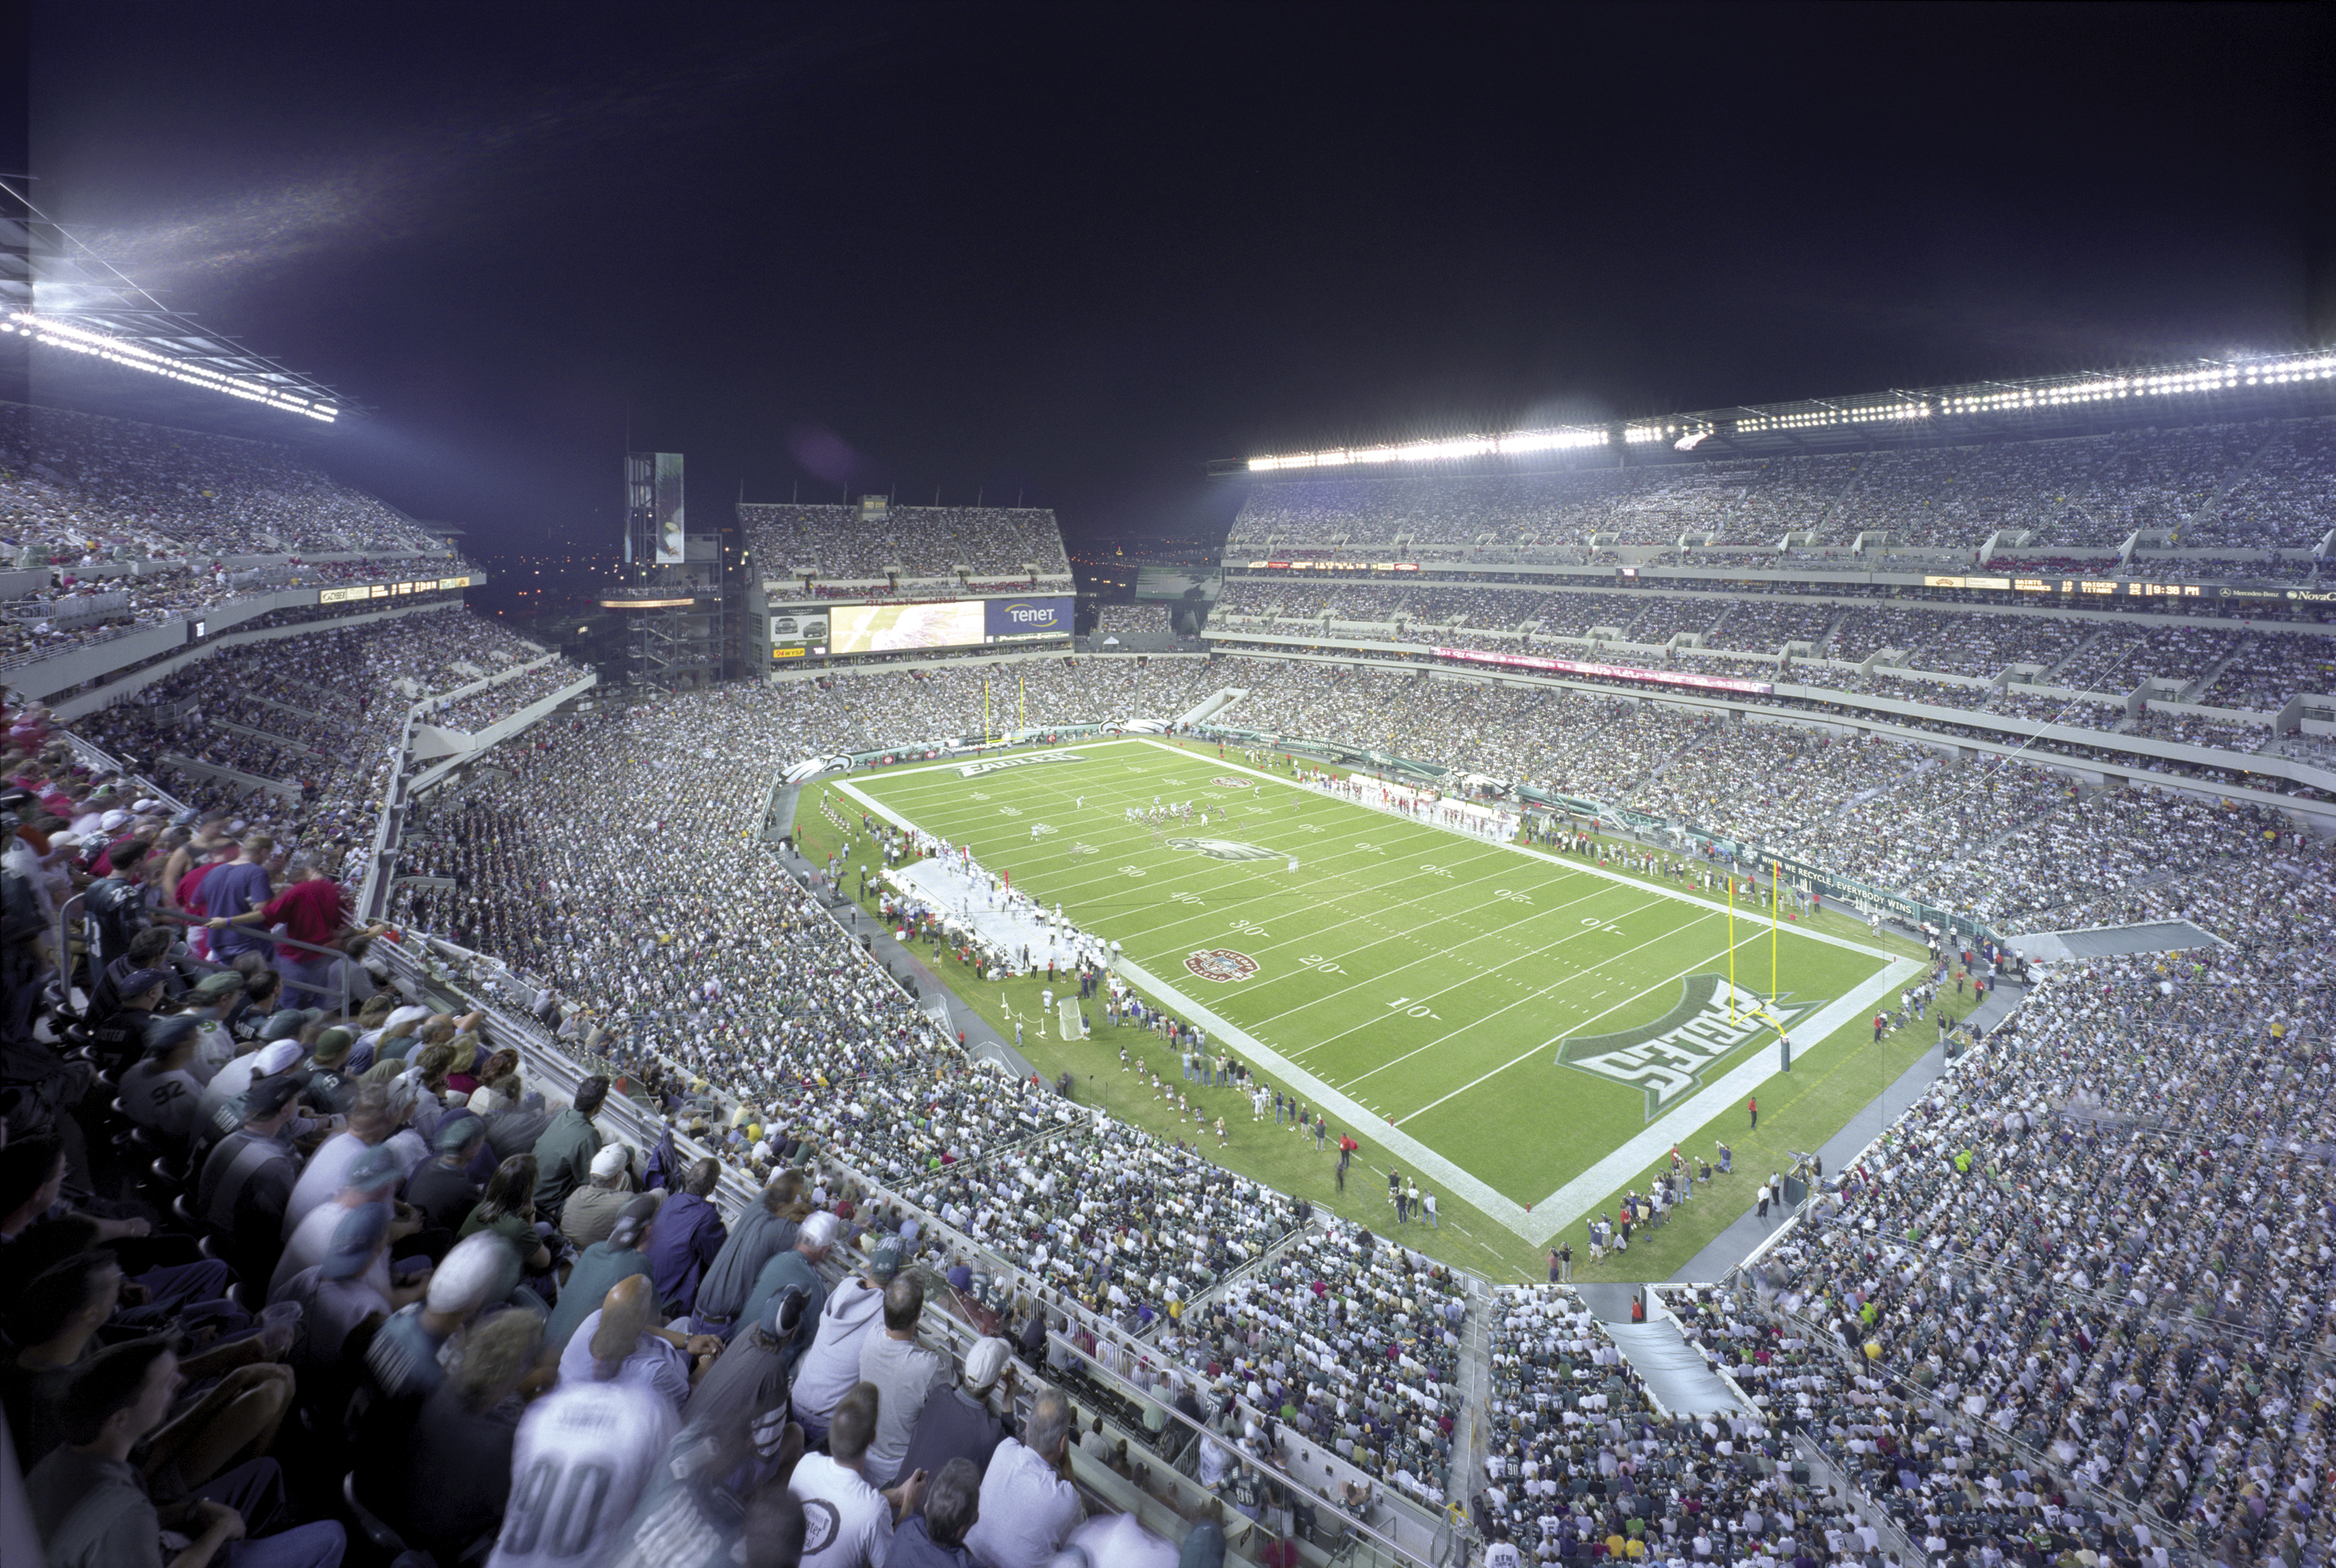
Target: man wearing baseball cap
161, 1091
229, 1082
797, 1266
593, 1208
338, 1293
604, 1265
443, 1189
371, 1182
957, 1425
832, 1365
247, 1181
330, 1088
217, 998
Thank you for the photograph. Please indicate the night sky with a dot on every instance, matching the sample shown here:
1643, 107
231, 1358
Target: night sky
1073, 254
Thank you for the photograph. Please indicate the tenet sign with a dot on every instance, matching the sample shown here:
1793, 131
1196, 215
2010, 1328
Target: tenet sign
1012, 619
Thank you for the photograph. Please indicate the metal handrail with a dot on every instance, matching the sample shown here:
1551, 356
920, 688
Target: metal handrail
63, 935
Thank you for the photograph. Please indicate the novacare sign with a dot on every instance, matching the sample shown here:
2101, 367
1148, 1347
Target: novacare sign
976, 769
1670, 1056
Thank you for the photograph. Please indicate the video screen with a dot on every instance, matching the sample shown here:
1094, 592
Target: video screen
902, 628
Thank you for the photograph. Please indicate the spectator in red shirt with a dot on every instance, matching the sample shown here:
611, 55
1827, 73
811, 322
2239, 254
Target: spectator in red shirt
309, 909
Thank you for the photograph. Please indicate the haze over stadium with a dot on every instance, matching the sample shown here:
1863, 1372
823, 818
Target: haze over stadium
888, 787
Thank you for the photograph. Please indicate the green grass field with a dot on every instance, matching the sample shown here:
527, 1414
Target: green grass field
1420, 985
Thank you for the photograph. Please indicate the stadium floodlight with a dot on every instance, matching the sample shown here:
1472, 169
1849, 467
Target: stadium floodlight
52, 332
1514, 443
1903, 408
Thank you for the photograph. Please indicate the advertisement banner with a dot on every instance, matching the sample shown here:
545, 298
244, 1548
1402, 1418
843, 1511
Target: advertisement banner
797, 630
670, 551
1014, 619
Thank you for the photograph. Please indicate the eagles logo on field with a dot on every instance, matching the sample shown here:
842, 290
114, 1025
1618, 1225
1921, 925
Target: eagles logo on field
1222, 965
1669, 1055
1225, 849
1223, 782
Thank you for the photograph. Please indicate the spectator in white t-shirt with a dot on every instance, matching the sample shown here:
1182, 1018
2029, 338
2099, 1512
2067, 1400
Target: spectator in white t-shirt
1029, 1507
905, 1373
848, 1523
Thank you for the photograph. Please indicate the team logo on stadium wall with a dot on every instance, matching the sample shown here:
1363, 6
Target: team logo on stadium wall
1222, 965
976, 769
1223, 782
1668, 1057
1225, 849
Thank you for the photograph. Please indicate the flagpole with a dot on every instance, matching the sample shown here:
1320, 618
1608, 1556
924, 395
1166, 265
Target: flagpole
1731, 944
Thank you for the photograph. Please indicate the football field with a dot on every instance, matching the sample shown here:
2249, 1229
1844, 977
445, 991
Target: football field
1523, 1030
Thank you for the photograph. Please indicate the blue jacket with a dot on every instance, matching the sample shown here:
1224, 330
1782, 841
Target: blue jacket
686, 1235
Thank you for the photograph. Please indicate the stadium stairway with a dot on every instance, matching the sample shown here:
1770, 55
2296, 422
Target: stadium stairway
1473, 1423
1677, 1374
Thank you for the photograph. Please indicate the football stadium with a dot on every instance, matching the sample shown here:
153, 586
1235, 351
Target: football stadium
1747, 985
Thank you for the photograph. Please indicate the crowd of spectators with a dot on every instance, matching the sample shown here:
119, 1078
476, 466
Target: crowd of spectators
2254, 670
2082, 491
1943, 1482
1582, 1464
1139, 619
1351, 1340
77, 488
2270, 667
603, 859
2100, 1237
1006, 544
504, 698
2288, 494
322, 729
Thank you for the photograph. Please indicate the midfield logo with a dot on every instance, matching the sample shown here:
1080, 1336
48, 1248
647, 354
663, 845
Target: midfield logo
1225, 849
1222, 965
1669, 1056
976, 769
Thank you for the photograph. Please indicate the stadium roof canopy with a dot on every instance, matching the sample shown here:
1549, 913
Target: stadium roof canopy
2083, 403
56, 293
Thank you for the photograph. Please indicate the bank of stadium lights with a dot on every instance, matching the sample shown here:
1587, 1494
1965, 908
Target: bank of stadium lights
2230, 376
52, 332
2239, 372
1513, 444
1830, 418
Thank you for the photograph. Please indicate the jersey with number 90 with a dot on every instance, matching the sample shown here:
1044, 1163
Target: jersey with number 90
583, 1456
